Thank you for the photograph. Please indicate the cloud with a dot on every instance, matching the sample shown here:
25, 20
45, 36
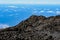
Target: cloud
57, 12
29, 1
6, 10
37, 12
21, 2
23, 7
12, 6
34, 12
47, 9
15, 10
50, 11
11, 15
16, 14
34, 9
2, 26
10, 10
41, 11
57, 9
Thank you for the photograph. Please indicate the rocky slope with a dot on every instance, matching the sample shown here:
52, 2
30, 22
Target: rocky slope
34, 28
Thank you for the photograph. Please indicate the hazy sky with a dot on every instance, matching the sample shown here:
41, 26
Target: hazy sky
29, 1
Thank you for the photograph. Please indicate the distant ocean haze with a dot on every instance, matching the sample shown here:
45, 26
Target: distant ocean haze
14, 14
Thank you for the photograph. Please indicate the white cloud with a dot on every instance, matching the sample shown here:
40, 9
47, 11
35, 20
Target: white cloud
23, 7
12, 6
57, 12
29, 1
34, 9
28, 8
23, 2
38, 12
34, 12
11, 15
50, 11
16, 14
10, 10
2, 26
7, 10
57, 9
41, 11
47, 9
15, 10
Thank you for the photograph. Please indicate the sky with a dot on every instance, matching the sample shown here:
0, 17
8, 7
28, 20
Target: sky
29, 1
8, 18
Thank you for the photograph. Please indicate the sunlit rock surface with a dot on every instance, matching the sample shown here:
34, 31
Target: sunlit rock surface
34, 28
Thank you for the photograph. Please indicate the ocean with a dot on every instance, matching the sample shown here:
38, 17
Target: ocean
12, 14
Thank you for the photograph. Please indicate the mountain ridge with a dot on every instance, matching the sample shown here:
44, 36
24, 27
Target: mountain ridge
34, 28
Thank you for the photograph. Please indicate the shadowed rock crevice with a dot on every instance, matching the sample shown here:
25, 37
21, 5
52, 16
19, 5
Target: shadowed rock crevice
34, 28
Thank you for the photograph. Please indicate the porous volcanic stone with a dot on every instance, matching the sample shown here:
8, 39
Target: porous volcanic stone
34, 28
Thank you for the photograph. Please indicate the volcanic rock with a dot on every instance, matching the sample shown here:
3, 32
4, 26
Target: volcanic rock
34, 28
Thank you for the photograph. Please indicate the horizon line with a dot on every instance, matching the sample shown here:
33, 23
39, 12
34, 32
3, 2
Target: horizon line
32, 4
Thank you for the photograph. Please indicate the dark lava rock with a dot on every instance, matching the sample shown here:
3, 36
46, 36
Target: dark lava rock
34, 28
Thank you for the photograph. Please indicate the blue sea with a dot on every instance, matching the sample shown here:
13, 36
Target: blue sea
12, 14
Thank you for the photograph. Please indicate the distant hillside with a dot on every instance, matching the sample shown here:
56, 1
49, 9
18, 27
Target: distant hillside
34, 28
